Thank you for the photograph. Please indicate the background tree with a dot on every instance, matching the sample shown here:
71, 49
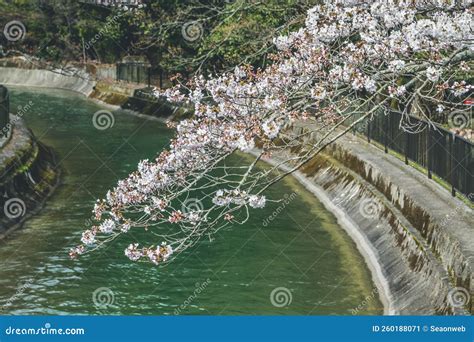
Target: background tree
177, 36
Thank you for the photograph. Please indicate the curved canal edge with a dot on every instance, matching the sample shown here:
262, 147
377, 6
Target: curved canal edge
111, 94
351, 228
416, 238
29, 194
29, 174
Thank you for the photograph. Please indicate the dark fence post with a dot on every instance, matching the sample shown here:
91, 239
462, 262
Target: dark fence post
428, 149
4, 110
452, 137
446, 155
149, 76
368, 130
407, 146
353, 126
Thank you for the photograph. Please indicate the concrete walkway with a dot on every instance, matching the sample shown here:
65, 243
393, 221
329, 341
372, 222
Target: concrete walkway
450, 213
422, 238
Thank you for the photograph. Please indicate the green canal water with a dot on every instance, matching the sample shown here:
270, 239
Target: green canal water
302, 249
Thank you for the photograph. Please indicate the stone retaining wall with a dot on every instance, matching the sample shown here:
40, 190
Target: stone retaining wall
417, 240
28, 175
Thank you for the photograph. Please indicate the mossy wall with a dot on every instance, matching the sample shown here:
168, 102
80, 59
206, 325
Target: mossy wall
420, 260
28, 175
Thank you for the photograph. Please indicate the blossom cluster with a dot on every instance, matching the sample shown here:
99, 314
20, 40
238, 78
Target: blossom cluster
156, 254
350, 58
225, 198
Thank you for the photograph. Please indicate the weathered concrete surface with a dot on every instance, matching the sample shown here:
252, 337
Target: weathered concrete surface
46, 78
419, 245
113, 95
28, 175
20, 149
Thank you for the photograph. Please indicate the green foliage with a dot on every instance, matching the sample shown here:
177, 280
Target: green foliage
234, 32
247, 36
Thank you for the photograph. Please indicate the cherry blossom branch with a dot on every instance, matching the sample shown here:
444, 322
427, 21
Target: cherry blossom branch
349, 63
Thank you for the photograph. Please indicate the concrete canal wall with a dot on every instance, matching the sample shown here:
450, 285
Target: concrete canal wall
416, 239
94, 83
28, 175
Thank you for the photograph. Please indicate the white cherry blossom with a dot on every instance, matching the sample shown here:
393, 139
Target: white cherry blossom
351, 60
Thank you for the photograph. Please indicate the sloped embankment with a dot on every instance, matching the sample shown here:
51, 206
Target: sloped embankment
28, 175
117, 95
416, 238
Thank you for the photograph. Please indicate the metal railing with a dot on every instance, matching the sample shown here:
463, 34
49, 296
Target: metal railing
439, 151
134, 72
141, 74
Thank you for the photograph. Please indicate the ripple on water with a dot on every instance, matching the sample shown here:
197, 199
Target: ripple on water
302, 249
